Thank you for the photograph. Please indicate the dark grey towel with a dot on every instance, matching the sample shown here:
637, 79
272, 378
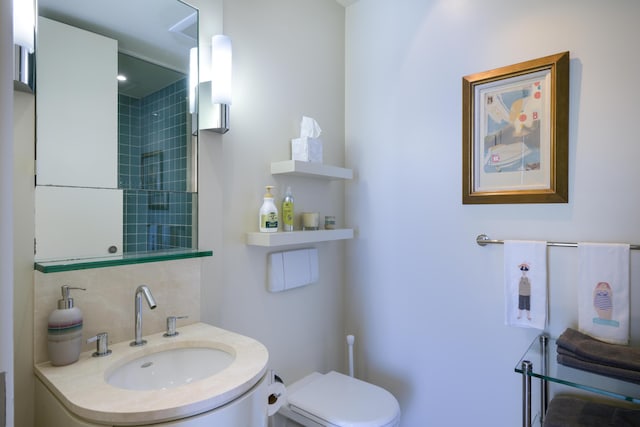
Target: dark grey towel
567, 359
593, 350
568, 411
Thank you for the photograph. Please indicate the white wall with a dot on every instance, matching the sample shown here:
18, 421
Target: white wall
6, 203
287, 62
23, 229
425, 300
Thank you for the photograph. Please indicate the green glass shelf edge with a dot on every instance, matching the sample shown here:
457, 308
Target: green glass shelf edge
71, 265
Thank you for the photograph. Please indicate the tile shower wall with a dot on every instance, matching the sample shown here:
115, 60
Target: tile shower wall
153, 163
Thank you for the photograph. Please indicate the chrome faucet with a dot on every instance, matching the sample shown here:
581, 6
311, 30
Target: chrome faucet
141, 290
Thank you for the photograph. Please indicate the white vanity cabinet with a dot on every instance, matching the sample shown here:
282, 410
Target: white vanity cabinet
77, 107
248, 410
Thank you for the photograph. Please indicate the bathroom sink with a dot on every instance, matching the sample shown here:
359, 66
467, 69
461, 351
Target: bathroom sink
169, 368
202, 370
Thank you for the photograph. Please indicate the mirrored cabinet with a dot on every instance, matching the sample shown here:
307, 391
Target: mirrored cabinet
116, 154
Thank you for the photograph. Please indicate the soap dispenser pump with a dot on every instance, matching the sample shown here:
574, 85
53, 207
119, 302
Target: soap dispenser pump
65, 330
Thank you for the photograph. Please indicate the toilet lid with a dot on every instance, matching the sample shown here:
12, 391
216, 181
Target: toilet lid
345, 401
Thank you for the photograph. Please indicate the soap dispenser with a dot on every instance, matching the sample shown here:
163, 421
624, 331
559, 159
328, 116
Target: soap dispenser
268, 213
65, 331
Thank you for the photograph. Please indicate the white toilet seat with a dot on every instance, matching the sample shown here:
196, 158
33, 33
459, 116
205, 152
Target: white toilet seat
337, 400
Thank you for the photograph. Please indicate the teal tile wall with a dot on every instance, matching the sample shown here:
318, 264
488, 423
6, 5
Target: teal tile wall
153, 135
129, 145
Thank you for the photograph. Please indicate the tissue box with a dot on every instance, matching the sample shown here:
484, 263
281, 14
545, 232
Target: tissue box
306, 149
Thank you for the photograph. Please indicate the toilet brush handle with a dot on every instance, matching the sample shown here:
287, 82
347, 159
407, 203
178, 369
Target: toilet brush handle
350, 340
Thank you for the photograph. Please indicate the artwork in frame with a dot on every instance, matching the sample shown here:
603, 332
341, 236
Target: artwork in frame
515, 133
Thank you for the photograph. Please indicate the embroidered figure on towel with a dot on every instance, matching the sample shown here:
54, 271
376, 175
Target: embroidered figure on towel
524, 292
603, 303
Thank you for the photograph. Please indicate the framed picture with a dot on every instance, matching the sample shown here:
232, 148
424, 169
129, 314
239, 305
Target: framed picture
515, 133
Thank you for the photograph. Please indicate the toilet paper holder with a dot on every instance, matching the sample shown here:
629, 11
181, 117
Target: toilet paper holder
275, 378
277, 392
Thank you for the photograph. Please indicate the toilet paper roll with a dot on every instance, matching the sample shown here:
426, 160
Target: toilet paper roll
277, 395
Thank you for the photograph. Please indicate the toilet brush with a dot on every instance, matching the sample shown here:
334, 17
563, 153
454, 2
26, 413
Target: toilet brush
350, 341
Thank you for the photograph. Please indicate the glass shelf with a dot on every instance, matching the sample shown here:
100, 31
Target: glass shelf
572, 377
138, 258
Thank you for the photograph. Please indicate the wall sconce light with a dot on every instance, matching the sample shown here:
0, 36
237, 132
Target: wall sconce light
193, 79
220, 82
24, 18
193, 82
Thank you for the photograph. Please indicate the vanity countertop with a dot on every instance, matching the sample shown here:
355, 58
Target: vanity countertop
83, 390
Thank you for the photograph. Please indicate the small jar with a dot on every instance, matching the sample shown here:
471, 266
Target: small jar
329, 222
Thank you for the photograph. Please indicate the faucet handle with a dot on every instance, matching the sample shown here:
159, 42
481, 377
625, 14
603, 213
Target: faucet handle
171, 326
102, 344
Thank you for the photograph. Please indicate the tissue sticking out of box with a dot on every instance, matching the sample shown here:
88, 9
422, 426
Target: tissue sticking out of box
310, 128
307, 148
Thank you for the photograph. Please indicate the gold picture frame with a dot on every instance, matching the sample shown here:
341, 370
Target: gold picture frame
515, 133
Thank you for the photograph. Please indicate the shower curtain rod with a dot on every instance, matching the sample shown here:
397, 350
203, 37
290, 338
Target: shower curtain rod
484, 240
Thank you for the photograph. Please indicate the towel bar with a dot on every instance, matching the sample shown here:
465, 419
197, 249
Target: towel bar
483, 239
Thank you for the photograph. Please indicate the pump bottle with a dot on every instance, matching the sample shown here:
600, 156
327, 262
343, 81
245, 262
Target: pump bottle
65, 331
287, 211
268, 217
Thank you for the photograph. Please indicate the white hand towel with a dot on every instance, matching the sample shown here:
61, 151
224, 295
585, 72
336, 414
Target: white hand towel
603, 291
525, 283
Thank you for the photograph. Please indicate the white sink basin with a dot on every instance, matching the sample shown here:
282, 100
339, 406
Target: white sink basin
169, 368
204, 368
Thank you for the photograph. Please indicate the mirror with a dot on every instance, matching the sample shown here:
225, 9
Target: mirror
115, 160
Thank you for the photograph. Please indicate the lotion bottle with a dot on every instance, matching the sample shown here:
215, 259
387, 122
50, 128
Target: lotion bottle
65, 331
268, 213
287, 211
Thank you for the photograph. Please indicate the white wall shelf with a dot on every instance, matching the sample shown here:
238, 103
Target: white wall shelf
310, 169
283, 238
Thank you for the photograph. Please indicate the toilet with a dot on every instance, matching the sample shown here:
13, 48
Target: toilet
338, 400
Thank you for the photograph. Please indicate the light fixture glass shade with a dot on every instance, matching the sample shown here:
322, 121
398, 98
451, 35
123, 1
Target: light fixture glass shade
193, 79
220, 70
24, 19
24, 22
